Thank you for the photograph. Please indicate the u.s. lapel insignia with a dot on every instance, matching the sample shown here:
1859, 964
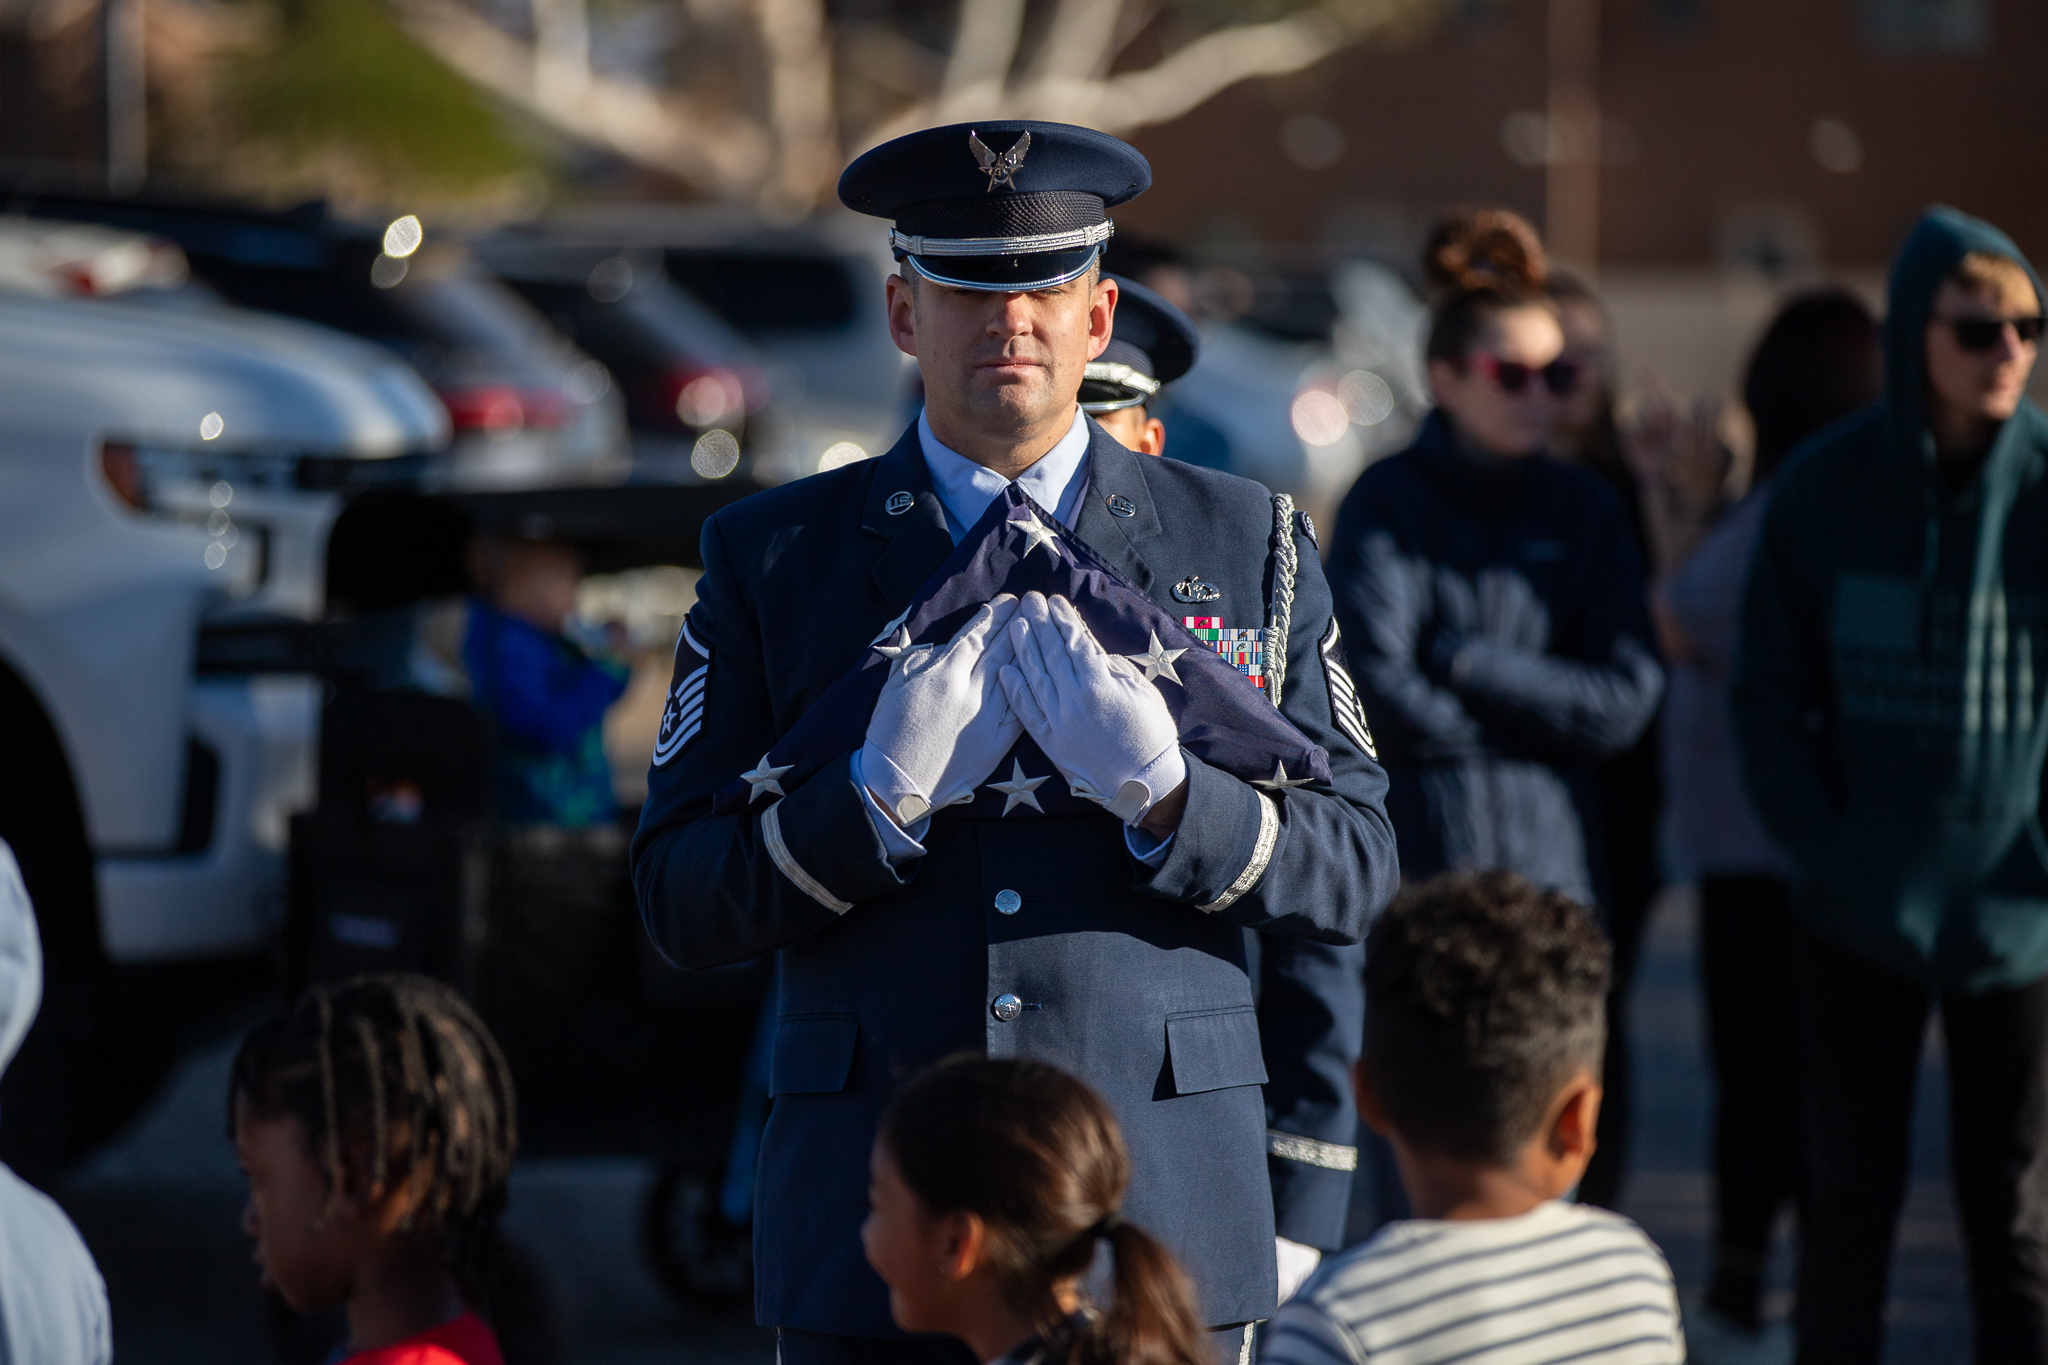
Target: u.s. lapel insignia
683, 716
1001, 170
899, 503
1121, 506
1193, 589
1345, 711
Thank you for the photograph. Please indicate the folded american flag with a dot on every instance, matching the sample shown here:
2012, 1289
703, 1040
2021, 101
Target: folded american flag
1223, 717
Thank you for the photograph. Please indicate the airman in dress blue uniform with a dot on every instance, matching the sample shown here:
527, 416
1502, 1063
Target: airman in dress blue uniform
920, 898
1311, 994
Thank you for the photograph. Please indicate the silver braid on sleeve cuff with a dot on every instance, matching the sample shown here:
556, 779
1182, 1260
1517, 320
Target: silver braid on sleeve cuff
1262, 854
771, 834
1331, 1156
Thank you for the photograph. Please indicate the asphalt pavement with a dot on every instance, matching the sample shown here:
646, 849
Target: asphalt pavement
161, 1210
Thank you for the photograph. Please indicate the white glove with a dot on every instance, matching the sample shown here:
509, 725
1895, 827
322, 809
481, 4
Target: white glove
1296, 1262
942, 722
1101, 723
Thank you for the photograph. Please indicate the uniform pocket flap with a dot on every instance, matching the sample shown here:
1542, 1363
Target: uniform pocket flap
813, 1054
1214, 1050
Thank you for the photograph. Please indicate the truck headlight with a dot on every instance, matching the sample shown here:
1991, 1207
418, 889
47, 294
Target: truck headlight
198, 485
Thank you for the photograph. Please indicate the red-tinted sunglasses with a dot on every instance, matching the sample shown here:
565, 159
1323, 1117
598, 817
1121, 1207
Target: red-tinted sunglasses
1559, 376
1981, 334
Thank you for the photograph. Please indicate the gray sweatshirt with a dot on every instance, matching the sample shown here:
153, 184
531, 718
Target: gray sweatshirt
53, 1304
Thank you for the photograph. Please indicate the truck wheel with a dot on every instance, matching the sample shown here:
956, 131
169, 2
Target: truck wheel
698, 1257
47, 1093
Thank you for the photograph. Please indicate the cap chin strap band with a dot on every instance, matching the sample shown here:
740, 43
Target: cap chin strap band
1142, 386
1008, 287
1074, 239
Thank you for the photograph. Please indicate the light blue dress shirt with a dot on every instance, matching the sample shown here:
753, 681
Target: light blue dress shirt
1057, 480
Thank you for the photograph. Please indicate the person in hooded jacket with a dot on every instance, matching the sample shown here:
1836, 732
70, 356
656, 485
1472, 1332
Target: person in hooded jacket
1817, 363
53, 1303
1492, 597
1890, 700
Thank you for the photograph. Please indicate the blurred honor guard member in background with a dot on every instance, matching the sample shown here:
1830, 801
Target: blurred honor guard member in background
1311, 994
936, 884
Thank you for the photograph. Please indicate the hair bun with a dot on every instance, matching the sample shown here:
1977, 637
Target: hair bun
1485, 249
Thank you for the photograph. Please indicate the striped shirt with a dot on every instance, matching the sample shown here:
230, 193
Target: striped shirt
1562, 1282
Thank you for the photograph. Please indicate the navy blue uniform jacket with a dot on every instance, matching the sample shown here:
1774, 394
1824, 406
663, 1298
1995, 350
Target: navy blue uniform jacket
1130, 977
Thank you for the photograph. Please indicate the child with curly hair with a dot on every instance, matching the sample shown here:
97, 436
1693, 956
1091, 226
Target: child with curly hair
375, 1124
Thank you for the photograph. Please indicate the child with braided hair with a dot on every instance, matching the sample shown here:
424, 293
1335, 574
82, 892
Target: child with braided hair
994, 1181
375, 1124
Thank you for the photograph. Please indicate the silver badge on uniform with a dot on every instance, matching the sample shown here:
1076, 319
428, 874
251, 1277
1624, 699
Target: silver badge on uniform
1344, 708
899, 503
1121, 506
683, 717
1193, 589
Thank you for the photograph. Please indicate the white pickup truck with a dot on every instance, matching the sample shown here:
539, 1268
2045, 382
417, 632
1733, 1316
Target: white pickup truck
161, 469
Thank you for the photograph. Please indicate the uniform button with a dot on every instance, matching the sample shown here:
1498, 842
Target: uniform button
1006, 1007
1008, 902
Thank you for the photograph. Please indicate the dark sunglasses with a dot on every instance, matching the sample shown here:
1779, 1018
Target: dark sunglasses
1559, 376
1981, 334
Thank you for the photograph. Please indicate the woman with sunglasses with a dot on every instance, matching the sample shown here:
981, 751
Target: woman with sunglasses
1491, 597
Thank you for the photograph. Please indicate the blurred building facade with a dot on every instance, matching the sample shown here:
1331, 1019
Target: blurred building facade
1750, 134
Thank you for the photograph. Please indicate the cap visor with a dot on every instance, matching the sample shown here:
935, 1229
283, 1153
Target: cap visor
1006, 274
1099, 397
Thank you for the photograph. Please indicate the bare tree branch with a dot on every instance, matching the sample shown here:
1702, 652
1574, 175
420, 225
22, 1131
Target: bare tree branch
984, 45
785, 166
1182, 79
1193, 74
561, 48
1080, 42
800, 110
720, 153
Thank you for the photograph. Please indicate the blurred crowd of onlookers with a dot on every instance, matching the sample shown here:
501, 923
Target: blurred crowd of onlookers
1785, 649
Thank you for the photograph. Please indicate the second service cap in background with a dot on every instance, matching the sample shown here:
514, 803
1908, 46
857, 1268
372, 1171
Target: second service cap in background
1152, 344
1004, 206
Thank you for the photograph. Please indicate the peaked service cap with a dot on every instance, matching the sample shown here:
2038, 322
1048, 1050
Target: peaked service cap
1223, 718
1152, 345
1004, 206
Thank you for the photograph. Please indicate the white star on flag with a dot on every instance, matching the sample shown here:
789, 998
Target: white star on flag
1157, 660
1019, 789
886, 631
1038, 534
1280, 781
763, 779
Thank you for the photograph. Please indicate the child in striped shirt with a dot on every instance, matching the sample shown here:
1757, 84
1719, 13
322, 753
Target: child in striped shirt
1483, 1037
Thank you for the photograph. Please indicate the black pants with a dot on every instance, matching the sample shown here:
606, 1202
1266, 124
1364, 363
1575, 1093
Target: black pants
1863, 1033
1627, 877
1749, 975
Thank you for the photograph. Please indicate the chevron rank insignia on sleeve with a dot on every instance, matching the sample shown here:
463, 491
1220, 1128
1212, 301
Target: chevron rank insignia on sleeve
1344, 708
683, 717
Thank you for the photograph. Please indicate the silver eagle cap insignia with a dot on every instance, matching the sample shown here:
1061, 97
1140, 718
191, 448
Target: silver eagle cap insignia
1001, 170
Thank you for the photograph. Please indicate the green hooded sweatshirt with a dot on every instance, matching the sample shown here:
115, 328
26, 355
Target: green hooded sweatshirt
1891, 684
